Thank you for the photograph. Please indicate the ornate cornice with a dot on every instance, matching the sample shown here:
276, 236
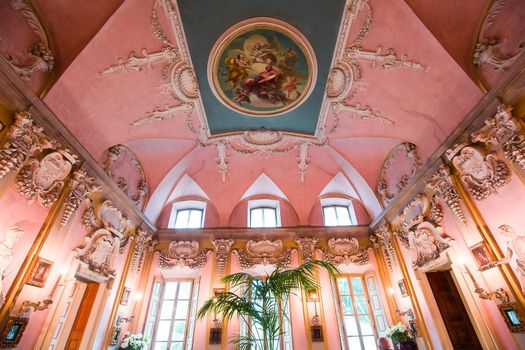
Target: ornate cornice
443, 184
183, 254
306, 247
222, 248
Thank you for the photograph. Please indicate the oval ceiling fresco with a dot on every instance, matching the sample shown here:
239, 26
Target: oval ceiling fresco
262, 67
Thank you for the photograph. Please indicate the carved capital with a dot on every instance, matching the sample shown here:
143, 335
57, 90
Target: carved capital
79, 186
144, 243
381, 238
443, 184
222, 248
306, 247
23, 140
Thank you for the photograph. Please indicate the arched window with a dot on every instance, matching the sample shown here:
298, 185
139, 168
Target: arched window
338, 212
187, 214
264, 213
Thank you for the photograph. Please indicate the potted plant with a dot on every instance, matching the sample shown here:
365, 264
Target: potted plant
401, 337
133, 341
262, 301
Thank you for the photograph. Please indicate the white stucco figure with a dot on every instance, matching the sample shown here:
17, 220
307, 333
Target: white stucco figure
516, 249
6, 254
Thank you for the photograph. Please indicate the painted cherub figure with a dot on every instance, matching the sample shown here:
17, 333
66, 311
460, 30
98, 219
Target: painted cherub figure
516, 249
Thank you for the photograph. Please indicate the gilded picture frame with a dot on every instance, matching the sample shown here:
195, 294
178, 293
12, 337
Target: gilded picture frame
40, 273
13, 331
483, 257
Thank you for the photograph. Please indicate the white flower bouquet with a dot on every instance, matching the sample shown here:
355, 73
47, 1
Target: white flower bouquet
398, 333
133, 341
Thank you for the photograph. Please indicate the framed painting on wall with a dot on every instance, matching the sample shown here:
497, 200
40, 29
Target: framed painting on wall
125, 296
40, 273
482, 255
513, 318
402, 288
13, 331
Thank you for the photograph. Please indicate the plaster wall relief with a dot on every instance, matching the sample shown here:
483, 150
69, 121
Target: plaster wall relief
7, 252
400, 165
493, 48
515, 252
345, 251
222, 249
24, 139
144, 243
442, 183
481, 173
183, 254
43, 179
381, 238
420, 229
503, 131
125, 169
39, 57
108, 228
79, 187
264, 252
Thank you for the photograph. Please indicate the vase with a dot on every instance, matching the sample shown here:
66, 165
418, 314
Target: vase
406, 345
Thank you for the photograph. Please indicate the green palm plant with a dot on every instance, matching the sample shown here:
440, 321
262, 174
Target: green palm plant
263, 301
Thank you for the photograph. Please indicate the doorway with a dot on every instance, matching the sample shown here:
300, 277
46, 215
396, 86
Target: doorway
82, 316
457, 322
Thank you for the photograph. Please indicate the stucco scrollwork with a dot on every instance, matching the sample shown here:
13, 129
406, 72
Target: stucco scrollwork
482, 174
43, 180
222, 248
345, 251
23, 140
407, 160
125, 169
109, 229
79, 186
144, 243
381, 238
306, 247
420, 229
504, 132
183, 254
42, 58
264, 252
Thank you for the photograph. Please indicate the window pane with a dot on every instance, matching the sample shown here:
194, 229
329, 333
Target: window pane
163, 331
351, 326
184, 290
161, 346
176, 346
362, 307
366, 325
195, 220
357, 285
182, 218
354, 343
179, 327
170, 290
348, 308
342, 284
256, 218
166, 311
330, 219
269, 215
370, 343
343, 216
182, 310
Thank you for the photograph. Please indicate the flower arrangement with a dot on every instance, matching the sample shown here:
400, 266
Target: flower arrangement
133, 341
399, 333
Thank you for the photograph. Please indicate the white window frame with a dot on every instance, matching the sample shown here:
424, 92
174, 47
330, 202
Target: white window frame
340, 202
186, 205
265, 203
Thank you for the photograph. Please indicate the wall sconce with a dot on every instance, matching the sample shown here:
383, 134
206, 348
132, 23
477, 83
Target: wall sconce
315, 326
499, 295
216, 327
118, 326
409, 314
29, 306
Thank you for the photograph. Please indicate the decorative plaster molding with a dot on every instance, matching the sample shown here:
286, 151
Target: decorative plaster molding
168, 55
23, 140
481, 174
420, 229
409, 150
43, 180
443, 183
110, 227
503, 131
345, 251
183, 254
376, 58
362, 113
488, 46
42, 58
381, 238
114, 155
306, 247
144, 243
79, 186
12, 235
161, 114
222, 248
264, 253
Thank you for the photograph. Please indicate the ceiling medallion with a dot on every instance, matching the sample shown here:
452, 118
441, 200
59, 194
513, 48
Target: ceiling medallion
262, 67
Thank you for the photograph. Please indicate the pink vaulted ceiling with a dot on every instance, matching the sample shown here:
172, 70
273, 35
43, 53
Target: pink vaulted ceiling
426, 105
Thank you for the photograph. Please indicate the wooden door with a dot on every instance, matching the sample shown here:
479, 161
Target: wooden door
453, 312
79, 326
